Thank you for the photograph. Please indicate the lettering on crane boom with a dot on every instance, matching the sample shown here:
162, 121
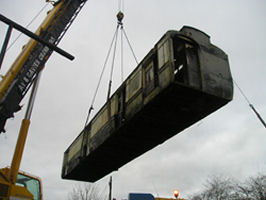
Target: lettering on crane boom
33, 70
38, 55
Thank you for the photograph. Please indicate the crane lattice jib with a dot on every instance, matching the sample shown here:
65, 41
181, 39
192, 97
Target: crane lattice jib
21, 75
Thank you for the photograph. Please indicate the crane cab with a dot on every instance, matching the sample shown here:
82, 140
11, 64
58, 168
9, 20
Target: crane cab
27, 186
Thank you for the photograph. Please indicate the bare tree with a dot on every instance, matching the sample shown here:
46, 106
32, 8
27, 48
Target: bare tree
254, 188
84, 191
196, 197
258, 187
218, 188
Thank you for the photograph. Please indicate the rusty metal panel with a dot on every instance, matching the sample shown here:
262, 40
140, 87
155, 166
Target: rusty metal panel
86, 142
163, 53
161, 56
213, 64
150, 87
134, 83
200, 37
114, 105
153, 94
165, 77
134, 105
75, 147
102, 135
99, 121
217, 79
73, 153
193, 68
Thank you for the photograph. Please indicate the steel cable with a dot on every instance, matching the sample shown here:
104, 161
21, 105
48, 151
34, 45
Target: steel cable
101, 75
251, 105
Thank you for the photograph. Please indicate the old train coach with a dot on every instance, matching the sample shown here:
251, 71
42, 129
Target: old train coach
181, 80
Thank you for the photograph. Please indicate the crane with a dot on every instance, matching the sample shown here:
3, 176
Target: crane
23, 73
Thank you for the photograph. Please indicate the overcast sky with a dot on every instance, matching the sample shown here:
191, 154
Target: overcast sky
229, 142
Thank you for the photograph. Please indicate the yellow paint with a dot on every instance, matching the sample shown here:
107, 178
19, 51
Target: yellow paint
19, 150
17, 65
19, 192
13, 190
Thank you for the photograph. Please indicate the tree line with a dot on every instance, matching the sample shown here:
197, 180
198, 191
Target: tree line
214, 188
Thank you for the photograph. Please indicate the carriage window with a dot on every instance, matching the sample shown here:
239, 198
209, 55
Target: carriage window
149, 78
163, 54
149, 75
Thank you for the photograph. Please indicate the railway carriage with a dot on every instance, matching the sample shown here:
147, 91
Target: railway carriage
181, 80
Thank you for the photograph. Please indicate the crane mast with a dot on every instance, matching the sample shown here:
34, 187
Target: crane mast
23, 72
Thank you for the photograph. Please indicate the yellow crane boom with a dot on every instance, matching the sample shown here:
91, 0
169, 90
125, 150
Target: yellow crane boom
23, 72
19, 78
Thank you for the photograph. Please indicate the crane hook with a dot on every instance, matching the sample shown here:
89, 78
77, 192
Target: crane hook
120, 17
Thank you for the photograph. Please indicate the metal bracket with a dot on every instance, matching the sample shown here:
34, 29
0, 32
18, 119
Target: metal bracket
13, 24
